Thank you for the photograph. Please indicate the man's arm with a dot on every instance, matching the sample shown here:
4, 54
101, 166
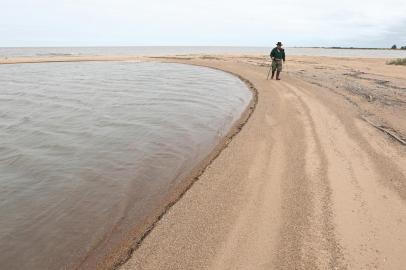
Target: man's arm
272, 54
283, 55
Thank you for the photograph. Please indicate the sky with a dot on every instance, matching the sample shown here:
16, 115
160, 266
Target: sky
362, 23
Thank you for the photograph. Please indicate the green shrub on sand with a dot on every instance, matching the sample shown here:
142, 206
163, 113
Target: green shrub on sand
399, 61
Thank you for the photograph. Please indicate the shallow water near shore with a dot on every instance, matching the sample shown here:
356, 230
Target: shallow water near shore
87, 147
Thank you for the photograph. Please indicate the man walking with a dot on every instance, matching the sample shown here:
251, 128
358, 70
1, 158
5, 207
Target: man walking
277, 56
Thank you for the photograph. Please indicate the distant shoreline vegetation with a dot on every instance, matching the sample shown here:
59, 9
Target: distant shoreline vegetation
354, 48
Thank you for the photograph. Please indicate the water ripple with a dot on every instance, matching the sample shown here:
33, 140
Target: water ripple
87, 146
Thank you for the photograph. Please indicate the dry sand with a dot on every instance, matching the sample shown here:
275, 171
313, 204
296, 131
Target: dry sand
316, 179
306, 184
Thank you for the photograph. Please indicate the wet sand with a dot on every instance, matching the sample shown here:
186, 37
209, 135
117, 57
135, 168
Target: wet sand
89, 159
316, 178
307, 184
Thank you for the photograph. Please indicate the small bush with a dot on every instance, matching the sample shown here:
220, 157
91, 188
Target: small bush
399, 61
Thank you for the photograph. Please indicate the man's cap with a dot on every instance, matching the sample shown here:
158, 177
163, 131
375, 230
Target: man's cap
279, 43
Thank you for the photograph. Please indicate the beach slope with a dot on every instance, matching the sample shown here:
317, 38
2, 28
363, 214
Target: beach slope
316, 179
308, 183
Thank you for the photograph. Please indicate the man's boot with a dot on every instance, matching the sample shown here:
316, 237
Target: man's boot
273, 74
277, 75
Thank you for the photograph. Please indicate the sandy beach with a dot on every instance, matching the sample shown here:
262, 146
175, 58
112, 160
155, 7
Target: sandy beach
315, 179
309, 182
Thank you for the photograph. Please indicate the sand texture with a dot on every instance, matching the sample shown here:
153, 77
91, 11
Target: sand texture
316, 179
306, 184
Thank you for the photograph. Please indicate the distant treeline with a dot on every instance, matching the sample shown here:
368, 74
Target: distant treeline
394, 47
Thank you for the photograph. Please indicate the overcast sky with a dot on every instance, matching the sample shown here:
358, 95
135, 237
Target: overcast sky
366, 23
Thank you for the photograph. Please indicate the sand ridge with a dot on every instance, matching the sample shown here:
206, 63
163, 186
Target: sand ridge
307, 183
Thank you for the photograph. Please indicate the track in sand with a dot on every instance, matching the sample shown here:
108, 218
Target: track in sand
306, 184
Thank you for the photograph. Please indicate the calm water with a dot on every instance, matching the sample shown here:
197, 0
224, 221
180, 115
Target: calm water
89, 151
12, 52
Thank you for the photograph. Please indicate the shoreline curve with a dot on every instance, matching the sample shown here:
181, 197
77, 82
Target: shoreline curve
115, 257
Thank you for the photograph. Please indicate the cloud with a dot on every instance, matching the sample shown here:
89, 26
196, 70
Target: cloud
394, 34
210, 22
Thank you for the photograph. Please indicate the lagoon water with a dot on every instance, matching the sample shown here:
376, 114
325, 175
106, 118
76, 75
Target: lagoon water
90, 151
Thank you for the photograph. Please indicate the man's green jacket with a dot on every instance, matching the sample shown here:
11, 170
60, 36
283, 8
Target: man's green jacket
278, 54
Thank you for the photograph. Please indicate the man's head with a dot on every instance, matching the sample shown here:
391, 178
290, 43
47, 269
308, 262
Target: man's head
279, 44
